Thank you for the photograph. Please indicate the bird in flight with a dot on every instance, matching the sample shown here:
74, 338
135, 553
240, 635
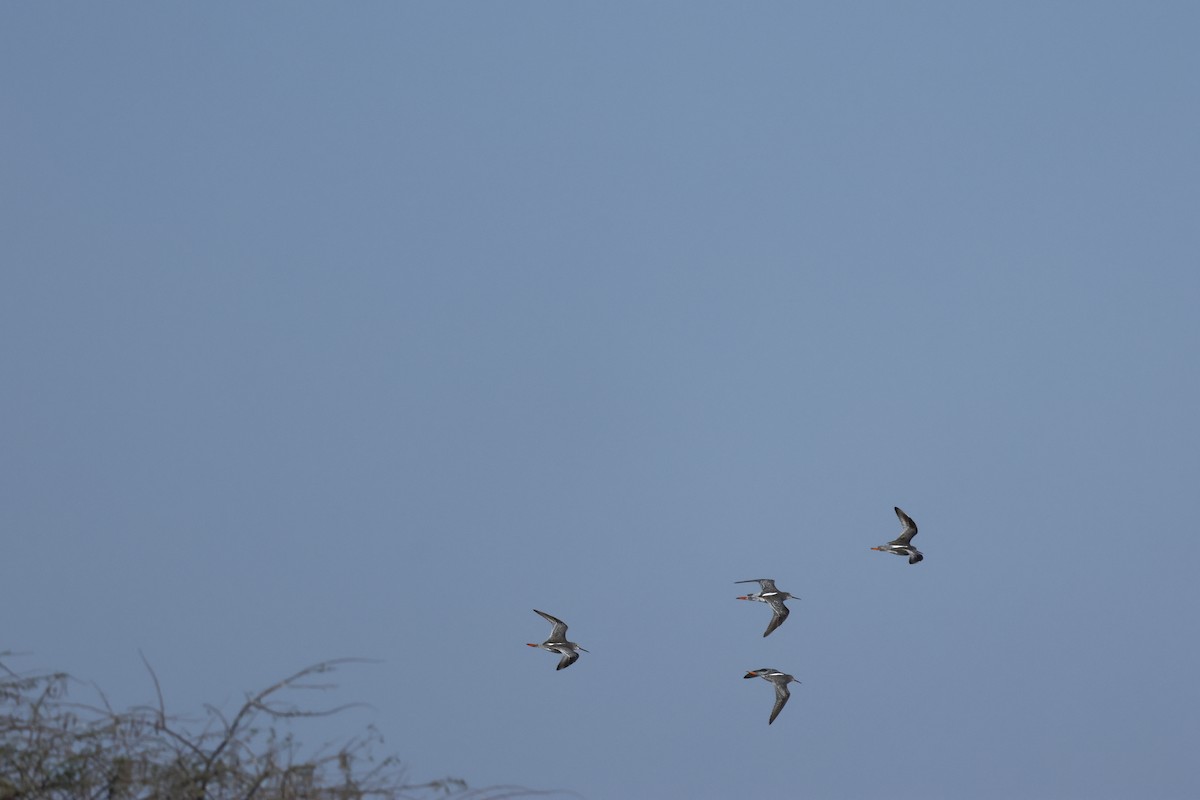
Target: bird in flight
781, 681
771, 596
902, 544
557, 643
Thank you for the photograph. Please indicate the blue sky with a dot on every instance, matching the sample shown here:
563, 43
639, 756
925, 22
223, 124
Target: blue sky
363, 330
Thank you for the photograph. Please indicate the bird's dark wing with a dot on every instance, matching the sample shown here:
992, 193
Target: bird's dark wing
781, 697
763, 582
779, 614
915, 556
569, 658
559, 632
910, 528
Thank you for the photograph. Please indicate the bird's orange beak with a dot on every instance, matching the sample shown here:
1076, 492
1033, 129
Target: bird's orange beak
743, 597
751, 674
527, 644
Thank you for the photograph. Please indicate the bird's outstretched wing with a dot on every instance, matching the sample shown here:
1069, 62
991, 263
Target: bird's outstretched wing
779, 614
910, 528
767, 584
781, 697
559, 632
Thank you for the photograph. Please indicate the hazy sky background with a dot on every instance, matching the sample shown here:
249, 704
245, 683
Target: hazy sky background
364, 329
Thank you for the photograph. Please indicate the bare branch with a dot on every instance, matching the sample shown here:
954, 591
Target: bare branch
52, 748
162, 706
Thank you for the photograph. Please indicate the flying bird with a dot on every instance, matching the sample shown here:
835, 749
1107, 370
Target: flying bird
781, 682
902, 544
771, 596
557, 643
